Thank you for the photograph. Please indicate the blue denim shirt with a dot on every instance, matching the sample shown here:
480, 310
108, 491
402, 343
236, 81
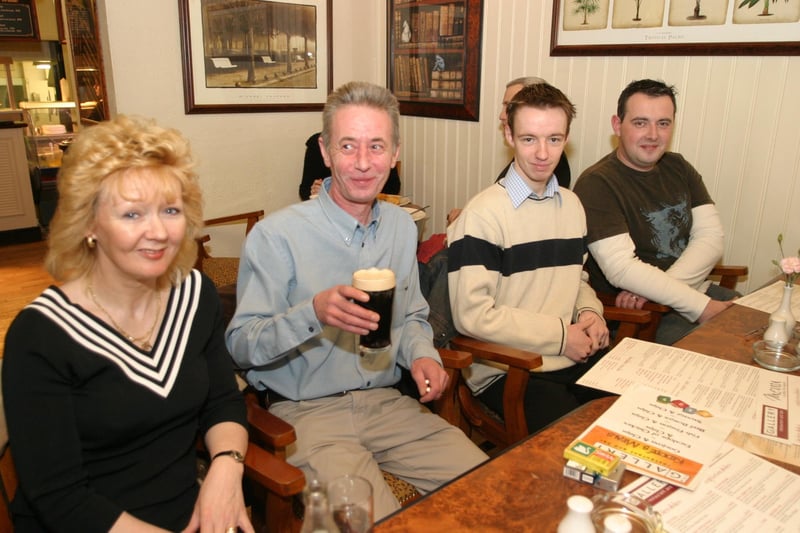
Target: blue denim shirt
292, 255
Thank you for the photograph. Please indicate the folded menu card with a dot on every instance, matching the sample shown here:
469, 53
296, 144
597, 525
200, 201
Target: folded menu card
659, 435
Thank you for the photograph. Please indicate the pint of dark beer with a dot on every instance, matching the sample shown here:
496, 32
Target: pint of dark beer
379, 284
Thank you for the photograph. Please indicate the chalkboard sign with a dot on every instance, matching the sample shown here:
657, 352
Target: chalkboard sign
18, 20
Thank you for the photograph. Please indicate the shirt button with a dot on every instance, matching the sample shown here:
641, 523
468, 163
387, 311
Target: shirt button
311, 329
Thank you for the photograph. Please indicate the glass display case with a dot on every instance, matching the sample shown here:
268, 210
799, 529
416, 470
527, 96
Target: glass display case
49, 125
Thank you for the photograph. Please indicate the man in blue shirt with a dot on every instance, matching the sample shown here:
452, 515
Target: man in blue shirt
296, 325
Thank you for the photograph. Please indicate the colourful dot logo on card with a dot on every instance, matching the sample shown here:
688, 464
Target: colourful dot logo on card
683, 406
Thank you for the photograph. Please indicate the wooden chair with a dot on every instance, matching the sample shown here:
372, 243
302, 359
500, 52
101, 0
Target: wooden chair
8, 479
727, 276
471, 412
275, 435
513, 427
223, 270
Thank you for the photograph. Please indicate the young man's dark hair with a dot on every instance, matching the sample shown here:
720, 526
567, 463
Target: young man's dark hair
652, 88
542, 96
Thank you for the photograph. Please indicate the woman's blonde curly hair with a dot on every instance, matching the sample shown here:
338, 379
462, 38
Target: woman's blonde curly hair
104, 155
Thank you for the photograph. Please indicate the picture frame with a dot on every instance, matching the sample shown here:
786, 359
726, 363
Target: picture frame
675, 27
247, 56
434, 57
18, 20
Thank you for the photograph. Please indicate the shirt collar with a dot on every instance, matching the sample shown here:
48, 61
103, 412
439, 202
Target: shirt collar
349, 229
519, 190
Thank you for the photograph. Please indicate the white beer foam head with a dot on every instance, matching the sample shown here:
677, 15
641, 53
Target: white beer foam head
373, 279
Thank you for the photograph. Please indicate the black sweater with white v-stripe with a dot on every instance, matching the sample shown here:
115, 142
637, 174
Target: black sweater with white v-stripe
98, 426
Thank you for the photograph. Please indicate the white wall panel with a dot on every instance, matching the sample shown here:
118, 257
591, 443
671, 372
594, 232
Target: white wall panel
737, 122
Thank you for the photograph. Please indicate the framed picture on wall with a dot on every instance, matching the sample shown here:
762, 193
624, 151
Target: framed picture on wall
675, 27
18, 20
243, 56
434, 61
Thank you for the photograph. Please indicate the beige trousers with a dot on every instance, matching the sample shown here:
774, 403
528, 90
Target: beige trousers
364, 432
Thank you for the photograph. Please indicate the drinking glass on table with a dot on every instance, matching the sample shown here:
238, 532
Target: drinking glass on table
350, 499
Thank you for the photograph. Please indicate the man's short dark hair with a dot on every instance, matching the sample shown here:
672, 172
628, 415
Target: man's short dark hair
652, 88
540, 96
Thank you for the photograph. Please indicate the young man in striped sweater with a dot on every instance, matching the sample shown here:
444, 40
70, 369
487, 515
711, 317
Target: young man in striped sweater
516, 265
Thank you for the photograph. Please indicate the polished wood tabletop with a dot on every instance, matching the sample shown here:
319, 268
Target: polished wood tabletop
523, 488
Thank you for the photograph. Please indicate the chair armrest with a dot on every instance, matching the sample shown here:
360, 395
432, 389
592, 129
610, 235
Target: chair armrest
251, 217
446, 405
270, 472
729, 270
631, 323
268, 429
637, 316
656, 308
729, 274
455, 359
610, 300
498, 353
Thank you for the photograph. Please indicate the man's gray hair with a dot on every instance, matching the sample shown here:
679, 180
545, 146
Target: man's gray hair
365, 94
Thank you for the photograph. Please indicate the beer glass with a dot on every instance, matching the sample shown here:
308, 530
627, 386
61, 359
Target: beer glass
379, 284
350, 498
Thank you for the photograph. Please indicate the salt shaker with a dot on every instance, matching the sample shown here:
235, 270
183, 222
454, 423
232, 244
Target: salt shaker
776, 335
578, 518
318, 515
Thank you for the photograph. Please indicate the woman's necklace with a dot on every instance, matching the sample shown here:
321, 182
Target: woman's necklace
144, 339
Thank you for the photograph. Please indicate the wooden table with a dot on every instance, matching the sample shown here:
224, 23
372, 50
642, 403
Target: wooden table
523, 489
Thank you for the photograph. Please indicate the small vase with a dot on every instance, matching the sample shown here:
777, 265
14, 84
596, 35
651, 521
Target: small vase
784, 311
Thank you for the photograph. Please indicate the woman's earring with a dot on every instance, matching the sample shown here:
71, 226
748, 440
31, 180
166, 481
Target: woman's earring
91, 241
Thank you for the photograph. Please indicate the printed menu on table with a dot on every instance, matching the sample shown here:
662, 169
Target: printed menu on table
740, 492
765, 402
659, 435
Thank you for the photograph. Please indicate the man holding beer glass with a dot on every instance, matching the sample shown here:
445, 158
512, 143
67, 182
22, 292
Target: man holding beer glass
300, 326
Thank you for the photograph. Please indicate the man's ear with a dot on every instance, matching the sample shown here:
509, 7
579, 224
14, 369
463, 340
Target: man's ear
509, 136
615, 124
325, 155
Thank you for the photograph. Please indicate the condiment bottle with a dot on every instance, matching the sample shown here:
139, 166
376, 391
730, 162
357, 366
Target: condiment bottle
776, 335
318, 517
578, 518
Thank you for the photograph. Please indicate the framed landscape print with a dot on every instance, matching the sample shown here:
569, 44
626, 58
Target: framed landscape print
242, 56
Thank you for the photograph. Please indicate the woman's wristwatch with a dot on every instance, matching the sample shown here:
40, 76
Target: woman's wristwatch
233, 454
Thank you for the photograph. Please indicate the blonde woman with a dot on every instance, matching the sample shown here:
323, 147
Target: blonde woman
109, 376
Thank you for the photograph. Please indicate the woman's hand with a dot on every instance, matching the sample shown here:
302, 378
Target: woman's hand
220, 504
